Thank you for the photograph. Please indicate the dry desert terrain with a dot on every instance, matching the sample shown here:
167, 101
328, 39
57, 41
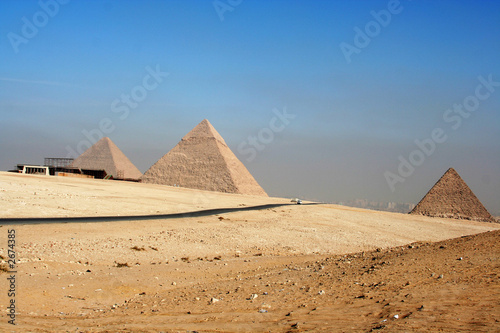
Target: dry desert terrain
279, 268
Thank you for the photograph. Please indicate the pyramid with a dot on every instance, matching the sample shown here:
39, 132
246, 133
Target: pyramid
202, 160
105, 155
451, 197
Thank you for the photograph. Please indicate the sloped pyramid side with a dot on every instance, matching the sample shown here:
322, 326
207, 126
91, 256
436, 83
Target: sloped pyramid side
202, 160
105, 155
451, 197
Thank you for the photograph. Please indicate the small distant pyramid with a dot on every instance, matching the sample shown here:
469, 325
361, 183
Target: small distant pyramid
202, 160
451, 197
105, 155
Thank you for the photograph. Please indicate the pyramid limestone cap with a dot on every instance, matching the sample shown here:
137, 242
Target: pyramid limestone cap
450, 197
204, 130
105, 155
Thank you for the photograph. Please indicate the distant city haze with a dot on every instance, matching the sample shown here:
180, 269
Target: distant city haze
376, 92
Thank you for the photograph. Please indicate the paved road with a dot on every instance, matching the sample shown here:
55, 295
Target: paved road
207, 212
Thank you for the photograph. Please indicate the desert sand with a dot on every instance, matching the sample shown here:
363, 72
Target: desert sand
288, 268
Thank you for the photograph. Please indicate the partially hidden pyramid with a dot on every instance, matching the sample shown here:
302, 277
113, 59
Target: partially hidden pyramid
105, 155
450, 197
202, 160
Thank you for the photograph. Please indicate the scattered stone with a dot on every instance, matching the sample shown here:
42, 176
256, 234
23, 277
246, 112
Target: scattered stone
321, 292
262, 311
441, 276
253, 296
214, 300
396, 317
378, 327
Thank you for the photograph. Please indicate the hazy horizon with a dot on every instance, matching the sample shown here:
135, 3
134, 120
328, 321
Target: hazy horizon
364, 84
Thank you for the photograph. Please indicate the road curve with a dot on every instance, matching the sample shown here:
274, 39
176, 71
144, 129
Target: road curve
90, 219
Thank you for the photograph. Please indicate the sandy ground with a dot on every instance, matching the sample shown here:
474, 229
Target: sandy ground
311, 267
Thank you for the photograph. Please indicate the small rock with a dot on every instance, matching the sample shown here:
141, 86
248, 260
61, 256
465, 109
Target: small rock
253, 296
262, 311
213, 300
441, 276
174, 284
321, 292
460, 258
396, 317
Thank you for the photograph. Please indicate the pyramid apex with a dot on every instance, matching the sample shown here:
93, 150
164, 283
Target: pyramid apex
204, 130
104, 139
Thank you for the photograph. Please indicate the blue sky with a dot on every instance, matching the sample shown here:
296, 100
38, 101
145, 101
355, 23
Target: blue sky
353, 119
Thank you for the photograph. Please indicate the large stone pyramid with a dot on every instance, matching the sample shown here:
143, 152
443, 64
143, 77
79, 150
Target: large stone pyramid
202, 160
451, 197
105, 155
